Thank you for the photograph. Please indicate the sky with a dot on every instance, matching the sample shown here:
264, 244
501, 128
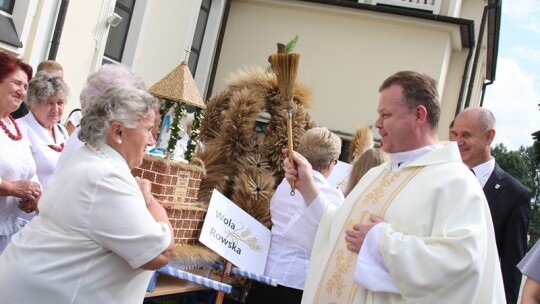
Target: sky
514, 96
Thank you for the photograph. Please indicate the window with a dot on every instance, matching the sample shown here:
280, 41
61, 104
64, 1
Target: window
116, 41
7, 6
8, 32
196, 46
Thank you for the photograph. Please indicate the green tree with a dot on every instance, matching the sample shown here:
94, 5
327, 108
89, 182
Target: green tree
523, 165
536, 146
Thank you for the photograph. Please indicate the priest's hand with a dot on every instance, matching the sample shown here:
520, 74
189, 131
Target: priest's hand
301, 172
355, 237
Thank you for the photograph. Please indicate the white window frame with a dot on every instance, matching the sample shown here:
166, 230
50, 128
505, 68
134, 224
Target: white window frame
208, 48
134, 37
22, 15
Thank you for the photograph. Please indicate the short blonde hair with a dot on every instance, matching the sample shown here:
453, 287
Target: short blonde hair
320, 146
49, 65
372, 157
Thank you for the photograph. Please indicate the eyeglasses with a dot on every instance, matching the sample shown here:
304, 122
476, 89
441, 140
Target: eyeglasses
335, 162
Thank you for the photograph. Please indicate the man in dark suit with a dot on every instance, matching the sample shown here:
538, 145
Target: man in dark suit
509, 200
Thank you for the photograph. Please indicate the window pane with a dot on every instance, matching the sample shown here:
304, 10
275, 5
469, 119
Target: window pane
7, 6
199, 30
205, 4
117, 36
192, 61
8, 34
198, 36
127, 4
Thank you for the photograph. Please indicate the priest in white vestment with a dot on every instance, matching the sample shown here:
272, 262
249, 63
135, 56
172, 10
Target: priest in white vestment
416, 229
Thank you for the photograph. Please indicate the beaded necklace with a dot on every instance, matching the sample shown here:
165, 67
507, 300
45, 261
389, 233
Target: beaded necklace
57, 148
8, 133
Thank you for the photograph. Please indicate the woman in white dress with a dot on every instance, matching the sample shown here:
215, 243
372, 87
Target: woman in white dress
47, 96
19, 187
99, 230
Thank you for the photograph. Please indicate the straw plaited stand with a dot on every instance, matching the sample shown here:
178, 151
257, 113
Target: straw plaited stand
187, 93
174, 183
178, 89
243, 165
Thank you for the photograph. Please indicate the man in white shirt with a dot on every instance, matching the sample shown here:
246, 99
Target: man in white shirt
414, 230
474, 131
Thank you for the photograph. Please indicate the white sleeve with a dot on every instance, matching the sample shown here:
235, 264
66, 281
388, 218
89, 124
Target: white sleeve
120, 222
75, 118
371, 272
302, 228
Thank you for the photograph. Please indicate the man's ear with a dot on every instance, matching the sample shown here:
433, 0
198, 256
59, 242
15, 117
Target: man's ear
421, 114
490, 136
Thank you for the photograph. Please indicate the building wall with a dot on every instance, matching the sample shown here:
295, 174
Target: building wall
345, 54
79, 50
168, 32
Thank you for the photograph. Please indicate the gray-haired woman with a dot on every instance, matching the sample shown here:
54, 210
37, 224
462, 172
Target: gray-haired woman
106, 77
46, 98
99, 228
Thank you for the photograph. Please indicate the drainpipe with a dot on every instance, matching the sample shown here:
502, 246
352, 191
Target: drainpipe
464, 80
58, 28
487, 8
484, 91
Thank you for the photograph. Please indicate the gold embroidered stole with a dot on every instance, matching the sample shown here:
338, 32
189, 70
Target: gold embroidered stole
336, 284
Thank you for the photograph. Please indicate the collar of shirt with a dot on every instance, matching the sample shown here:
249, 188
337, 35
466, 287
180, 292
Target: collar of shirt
317, 176
402, 159
484, 170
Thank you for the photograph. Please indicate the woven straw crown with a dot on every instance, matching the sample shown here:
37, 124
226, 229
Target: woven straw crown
178, 86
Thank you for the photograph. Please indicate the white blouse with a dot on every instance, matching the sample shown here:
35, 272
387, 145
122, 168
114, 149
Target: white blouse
287, 260
16, 163
43, 146
92, 235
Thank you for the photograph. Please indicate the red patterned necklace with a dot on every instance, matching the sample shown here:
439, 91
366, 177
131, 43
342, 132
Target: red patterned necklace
57, 148
8, 133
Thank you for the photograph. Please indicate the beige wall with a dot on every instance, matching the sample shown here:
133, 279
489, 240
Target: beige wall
345, 55
77, 49
166, 32
169, 30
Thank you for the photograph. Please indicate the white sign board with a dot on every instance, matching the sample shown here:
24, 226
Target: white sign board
235, 235
340, 175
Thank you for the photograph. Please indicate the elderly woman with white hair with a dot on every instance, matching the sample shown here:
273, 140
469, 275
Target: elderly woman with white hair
99, 230
46, 99
106, 77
